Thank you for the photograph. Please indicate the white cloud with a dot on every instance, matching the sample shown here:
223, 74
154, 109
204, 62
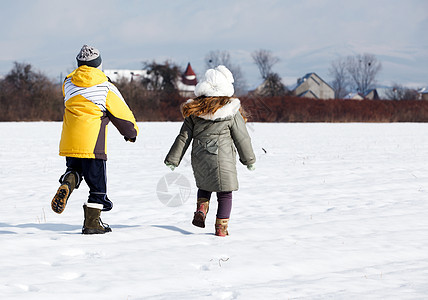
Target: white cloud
306, 35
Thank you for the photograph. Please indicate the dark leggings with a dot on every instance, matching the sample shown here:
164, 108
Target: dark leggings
224, 200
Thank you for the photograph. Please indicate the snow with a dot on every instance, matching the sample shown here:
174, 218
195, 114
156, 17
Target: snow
332, 211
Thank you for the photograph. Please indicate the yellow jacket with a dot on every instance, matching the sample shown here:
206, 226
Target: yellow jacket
91, 101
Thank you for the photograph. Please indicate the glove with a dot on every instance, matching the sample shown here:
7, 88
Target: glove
132, 140
251, 167
171, 166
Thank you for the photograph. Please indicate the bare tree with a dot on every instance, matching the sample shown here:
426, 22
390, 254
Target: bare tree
27, 94
264, 60
399, 92
216, 58
340, 77
363, 70
162, 77
272, 84
23, 76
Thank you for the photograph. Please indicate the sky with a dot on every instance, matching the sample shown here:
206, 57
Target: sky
305, 35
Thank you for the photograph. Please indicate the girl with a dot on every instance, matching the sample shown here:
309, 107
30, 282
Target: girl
215, 123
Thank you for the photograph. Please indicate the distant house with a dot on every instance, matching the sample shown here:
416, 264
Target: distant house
354, 96
423, 93
312, 86
372, 95
379, 93
188, 82
129, 75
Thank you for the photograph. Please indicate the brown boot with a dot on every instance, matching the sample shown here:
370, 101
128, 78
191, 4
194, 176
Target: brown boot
93, 223
64, 191
221, 227
202, 208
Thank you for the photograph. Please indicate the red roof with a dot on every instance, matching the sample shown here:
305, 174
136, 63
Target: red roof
189, 71
189, 77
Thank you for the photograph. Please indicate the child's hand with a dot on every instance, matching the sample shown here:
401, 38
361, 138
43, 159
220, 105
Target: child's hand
251, 167
132, 140
171, 166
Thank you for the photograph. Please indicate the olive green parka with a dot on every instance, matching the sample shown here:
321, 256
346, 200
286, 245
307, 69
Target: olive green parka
216, 137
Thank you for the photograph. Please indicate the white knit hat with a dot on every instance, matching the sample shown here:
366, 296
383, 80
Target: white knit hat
216, 82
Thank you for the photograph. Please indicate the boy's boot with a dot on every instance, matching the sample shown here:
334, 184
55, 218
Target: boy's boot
93, 223
68, 183
221, 227
202, 207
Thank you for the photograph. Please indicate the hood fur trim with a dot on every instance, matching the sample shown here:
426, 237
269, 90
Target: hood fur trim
229, 110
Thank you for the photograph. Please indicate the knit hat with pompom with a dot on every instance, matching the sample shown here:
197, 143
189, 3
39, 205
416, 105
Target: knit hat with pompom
89, 56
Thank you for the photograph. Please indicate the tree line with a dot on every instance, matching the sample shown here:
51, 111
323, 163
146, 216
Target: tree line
29, 95
294, 109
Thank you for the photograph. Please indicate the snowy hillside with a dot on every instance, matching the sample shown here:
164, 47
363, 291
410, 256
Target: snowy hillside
333, 211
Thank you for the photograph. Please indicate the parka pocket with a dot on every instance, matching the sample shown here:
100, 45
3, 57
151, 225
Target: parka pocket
211, 146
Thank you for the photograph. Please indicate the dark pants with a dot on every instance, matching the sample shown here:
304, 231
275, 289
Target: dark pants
224, 200
94, 173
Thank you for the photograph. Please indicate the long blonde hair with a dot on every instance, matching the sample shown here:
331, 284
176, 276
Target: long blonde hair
203, 105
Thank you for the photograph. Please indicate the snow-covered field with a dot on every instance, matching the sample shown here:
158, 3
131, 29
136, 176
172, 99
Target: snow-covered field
333, 211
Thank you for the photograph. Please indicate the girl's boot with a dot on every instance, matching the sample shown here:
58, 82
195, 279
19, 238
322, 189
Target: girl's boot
221, 227
68, 183
93, 223
202, 207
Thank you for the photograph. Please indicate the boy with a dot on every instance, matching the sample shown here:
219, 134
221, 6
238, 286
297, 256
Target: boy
91, 101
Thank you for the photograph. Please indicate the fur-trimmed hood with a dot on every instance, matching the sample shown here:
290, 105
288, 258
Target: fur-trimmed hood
229, 110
